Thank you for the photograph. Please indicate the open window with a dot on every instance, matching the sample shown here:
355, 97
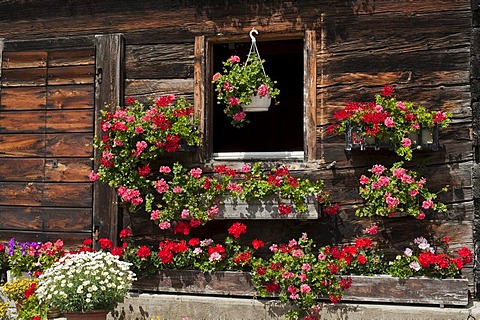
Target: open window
286, 130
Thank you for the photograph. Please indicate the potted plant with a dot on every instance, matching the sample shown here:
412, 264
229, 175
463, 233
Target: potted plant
135, 137
244, 87
85, 285
396, 191
403, 125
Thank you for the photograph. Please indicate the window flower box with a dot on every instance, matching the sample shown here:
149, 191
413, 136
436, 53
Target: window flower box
263, 209
424, 139
378, 288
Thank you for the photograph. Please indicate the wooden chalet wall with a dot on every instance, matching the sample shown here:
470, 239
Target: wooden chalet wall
421, 47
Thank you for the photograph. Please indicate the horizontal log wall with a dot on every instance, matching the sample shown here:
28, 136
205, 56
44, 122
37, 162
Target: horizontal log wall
46, 127
362, 45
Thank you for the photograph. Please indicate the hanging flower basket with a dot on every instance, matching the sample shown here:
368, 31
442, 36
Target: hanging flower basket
259, 104
244, 87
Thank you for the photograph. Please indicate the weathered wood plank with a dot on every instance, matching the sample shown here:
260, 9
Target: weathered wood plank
419, 290
22, 98
216, 283
69, 121
159, 61
67, 170
69, 145
15, 122
45, 219
70, 97
310, 89
14, 169
59, 58
24, 77
144, 89
76, 195
27, 59
108, 92
71, 75
49, 121
22, 145
383, 288
73, 195
43, 43
21, 193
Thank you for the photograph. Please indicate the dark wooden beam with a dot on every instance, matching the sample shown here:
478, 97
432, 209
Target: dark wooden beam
108, 93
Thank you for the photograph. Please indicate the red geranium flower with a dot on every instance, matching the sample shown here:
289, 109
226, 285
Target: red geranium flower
125, 233
143, 252
105, 243
237, 229
257, 244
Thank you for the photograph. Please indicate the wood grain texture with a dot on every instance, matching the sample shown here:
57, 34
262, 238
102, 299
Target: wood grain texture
108, 92
22, 169
71, 75
24, 77
69, 145
418, 290
160, 61
70, 97
22, 98
144, 90
75, 195
68, 169
60, 58
37, 194
28, 59
69, 121
45, 219
24, 145
29, 122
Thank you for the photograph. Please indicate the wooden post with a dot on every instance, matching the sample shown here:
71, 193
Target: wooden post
310, 89
108, 94
1, 60
199, 99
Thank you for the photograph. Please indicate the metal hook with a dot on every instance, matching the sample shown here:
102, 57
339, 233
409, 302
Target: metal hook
251, 35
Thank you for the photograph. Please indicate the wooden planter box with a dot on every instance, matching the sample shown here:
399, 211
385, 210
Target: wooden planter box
262, 209
381, 288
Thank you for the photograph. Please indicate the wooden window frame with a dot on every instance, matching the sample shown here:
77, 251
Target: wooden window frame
202, 87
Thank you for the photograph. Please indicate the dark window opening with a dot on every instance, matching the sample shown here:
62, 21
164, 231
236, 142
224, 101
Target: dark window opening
281, 127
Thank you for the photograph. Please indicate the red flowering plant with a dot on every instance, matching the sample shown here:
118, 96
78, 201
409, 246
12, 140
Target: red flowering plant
208, 255
239, 83
299, 276
396, 191
426, 260
361, 258
387, 117
135, 136
188, 198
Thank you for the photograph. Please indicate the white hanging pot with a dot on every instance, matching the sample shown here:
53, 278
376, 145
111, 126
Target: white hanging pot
258, 104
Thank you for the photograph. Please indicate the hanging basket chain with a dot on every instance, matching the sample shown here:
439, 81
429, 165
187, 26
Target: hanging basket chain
253, 48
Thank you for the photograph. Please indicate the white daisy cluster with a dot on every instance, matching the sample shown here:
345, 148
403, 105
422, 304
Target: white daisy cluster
85, 281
